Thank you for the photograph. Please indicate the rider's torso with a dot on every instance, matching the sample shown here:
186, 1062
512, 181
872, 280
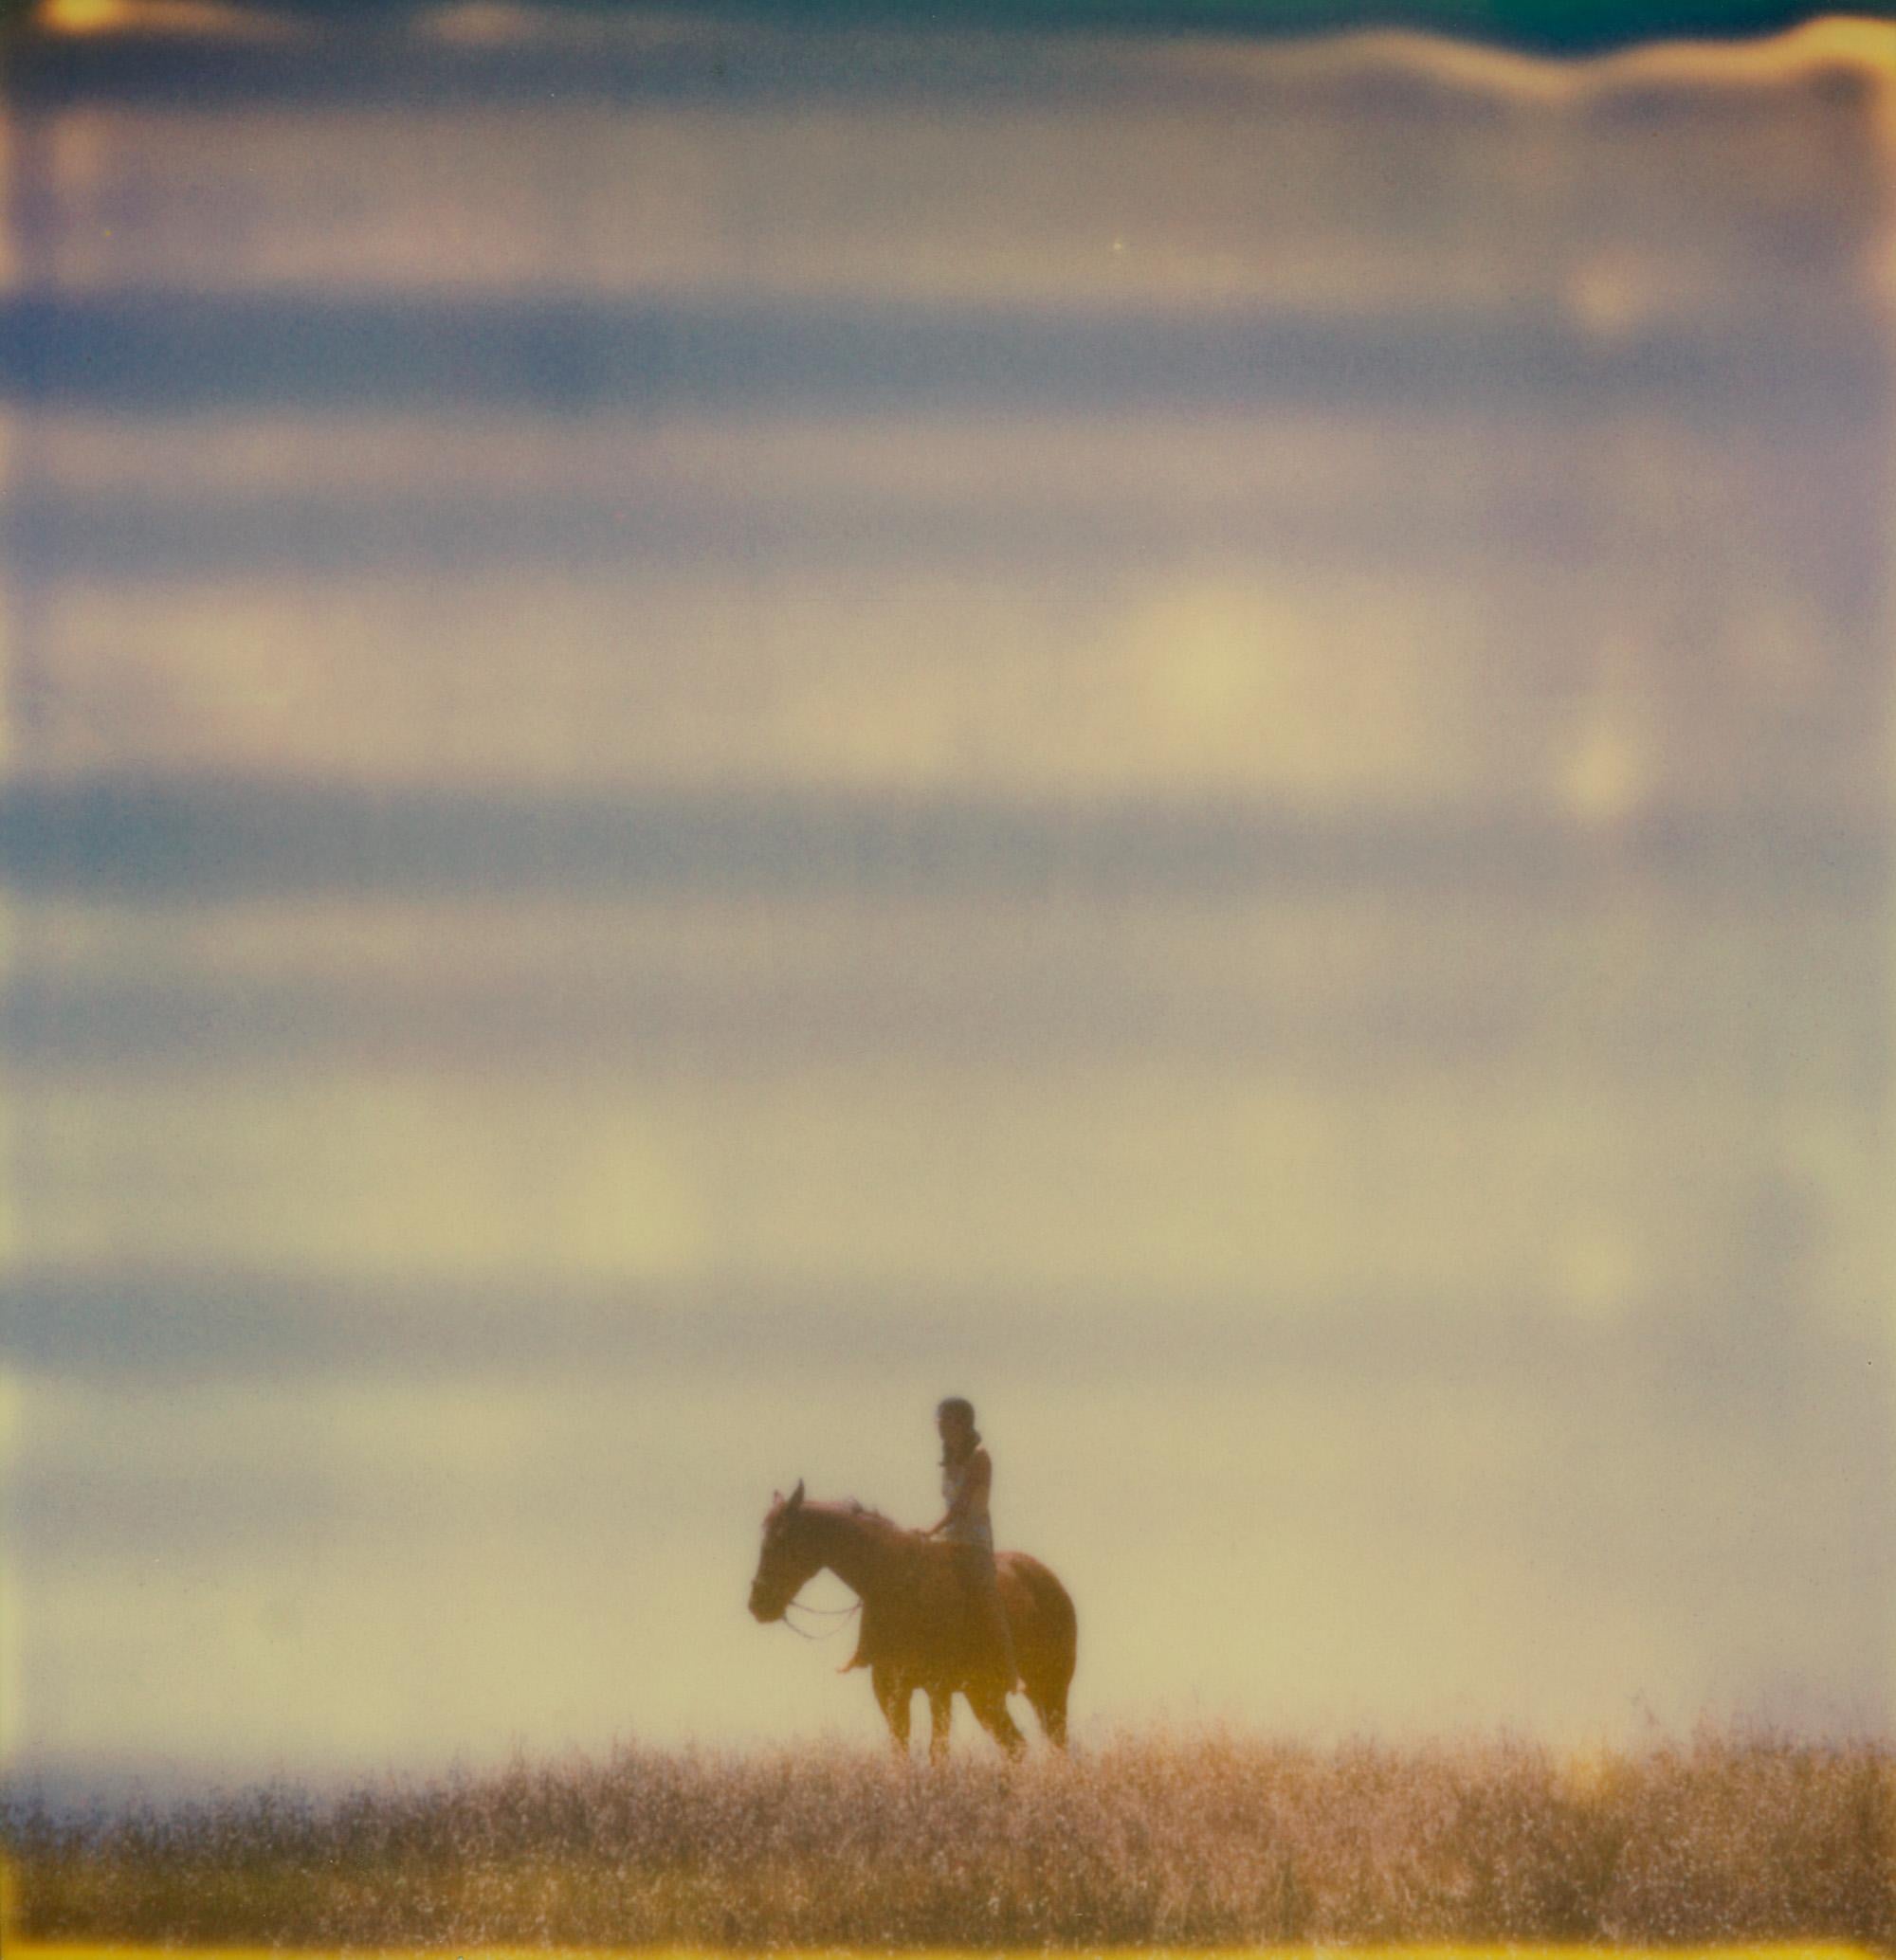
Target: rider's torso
973, 1527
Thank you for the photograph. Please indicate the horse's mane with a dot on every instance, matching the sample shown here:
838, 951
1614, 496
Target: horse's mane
889, 1531
865, 1514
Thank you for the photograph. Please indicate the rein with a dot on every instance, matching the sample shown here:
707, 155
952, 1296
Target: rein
825, 1613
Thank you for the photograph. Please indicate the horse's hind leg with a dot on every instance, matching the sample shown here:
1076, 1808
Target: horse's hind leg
894, 1697
1049, 1704
991, 1711
941, 1712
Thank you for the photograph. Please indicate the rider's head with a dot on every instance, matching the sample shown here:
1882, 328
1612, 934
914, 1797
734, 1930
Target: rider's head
955, 1419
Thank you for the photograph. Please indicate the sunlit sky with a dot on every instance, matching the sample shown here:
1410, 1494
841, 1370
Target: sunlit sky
1189, 737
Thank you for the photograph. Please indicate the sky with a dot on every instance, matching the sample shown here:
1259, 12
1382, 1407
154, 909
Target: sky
1189, 737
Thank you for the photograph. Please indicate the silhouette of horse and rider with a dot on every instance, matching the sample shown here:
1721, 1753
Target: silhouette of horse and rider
940, 1610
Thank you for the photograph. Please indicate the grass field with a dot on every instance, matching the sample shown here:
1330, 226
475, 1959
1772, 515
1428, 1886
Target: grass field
1148, 1842
37, 1950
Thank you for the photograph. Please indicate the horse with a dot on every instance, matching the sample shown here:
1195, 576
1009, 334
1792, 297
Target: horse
917, 1627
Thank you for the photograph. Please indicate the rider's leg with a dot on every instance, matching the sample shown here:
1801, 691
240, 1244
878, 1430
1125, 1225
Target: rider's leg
1003, 1634
983, 1583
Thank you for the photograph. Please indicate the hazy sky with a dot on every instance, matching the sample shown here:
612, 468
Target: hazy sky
1191, 738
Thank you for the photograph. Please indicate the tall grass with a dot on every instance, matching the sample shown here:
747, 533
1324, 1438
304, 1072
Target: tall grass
1201, 1839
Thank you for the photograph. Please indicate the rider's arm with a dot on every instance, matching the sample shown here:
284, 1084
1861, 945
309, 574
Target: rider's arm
981, 1476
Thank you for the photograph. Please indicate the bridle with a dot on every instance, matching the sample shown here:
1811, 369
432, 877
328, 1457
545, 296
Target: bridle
836, 1613
824, 1612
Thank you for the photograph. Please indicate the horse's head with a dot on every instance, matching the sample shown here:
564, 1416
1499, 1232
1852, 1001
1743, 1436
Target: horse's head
789, 1559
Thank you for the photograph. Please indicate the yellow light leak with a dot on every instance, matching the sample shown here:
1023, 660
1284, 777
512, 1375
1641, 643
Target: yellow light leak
87, 16
1799, 1950
1831, 42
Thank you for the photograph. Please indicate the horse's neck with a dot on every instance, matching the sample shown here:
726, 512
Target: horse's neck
854, 1549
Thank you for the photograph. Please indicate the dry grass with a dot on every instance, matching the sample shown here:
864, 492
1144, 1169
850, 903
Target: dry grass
1205, 1840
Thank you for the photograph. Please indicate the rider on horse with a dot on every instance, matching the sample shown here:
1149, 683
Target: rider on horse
967, 1477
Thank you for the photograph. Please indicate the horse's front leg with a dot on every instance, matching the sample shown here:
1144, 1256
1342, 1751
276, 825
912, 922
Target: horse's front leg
893, 1695
941, 1712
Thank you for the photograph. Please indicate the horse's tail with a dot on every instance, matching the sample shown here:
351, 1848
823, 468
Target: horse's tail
1064, 1623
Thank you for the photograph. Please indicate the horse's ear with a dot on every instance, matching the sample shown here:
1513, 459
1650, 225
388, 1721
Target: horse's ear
777, 1498
796, 1495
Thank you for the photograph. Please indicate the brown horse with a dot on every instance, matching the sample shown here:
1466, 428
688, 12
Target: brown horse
918, 1630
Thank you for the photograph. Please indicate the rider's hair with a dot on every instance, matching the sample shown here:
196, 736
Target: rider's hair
960, 1405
